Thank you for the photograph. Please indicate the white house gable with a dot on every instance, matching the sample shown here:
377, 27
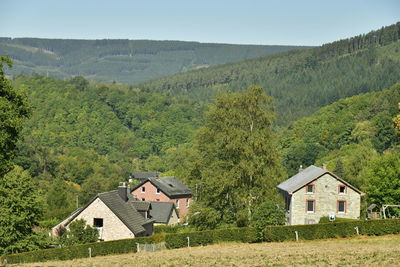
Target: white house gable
112, 227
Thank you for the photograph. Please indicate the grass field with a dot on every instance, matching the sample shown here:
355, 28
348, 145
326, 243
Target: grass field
359, 251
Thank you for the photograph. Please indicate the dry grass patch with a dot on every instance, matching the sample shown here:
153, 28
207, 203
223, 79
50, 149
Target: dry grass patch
367, 251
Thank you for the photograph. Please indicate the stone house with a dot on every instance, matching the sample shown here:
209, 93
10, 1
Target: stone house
116, 214
164, 213
165, 189
316, 192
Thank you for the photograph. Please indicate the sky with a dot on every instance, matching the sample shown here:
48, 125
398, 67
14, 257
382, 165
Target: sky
279, 22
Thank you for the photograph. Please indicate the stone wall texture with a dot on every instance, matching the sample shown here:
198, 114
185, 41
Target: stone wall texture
326, 195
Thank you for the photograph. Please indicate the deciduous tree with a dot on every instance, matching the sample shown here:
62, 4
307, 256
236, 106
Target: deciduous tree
240, 163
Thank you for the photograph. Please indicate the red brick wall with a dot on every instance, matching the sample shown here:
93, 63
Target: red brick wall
150, 194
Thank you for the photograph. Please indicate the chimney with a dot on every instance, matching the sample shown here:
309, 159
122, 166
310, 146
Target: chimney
301, 168
123, 191
324, 166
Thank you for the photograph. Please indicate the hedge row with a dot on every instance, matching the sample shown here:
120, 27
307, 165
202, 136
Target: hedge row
331, 230
172, 240
201, 238
82, 251
158, 229
178, 240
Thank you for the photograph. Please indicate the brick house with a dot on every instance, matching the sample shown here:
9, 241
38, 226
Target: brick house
116, 214
165, 189
316, 192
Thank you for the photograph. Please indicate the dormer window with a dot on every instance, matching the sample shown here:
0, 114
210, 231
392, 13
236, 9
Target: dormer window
342, 189
310, 188
143, 189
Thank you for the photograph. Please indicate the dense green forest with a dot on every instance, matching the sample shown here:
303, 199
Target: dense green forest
301, 81
90, 135
123, 61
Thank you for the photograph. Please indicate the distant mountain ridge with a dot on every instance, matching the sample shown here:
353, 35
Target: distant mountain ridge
120, 60
301, 81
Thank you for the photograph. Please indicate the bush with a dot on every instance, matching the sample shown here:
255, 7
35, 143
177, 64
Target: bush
325, 219
331, 230
79, 233
168, 229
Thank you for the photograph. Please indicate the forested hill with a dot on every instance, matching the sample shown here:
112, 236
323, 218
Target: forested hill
301, 81
124, 61
347, 135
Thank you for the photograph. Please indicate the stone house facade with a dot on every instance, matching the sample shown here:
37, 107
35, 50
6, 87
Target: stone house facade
316, 192
116, 215
165, 189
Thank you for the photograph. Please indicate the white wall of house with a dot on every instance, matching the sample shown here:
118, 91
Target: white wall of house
326, 195
113, 228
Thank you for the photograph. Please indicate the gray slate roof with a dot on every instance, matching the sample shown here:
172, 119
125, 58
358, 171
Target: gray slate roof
303, 177
161, 211
124, 210
141, 205
169, 185
306, 176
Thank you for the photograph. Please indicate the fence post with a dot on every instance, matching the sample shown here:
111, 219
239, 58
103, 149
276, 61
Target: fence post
297, 235
90, 252
358, 233
137, 247
188, 241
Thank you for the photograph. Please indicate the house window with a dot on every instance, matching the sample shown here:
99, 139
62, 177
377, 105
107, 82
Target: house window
341, 206
157, 199
342, 189
98, 222
187, 202
158, 191
177, 203
143, 199
143, 189
310, 205
310, 188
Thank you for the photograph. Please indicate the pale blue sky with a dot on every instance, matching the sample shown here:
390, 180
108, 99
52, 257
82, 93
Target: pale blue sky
308, 22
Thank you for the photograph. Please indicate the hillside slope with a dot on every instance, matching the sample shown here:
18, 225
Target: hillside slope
301, 81
124, 61
346, 135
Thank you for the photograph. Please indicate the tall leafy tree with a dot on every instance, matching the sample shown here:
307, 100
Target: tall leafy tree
240, 163
20, 210
13, 110
383, 174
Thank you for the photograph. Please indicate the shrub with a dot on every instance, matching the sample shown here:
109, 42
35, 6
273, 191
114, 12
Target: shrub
325, 219
79, 233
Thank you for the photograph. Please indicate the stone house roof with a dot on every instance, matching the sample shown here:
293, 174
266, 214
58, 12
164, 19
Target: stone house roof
169, 185
126, 211
306, 176
161, 211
